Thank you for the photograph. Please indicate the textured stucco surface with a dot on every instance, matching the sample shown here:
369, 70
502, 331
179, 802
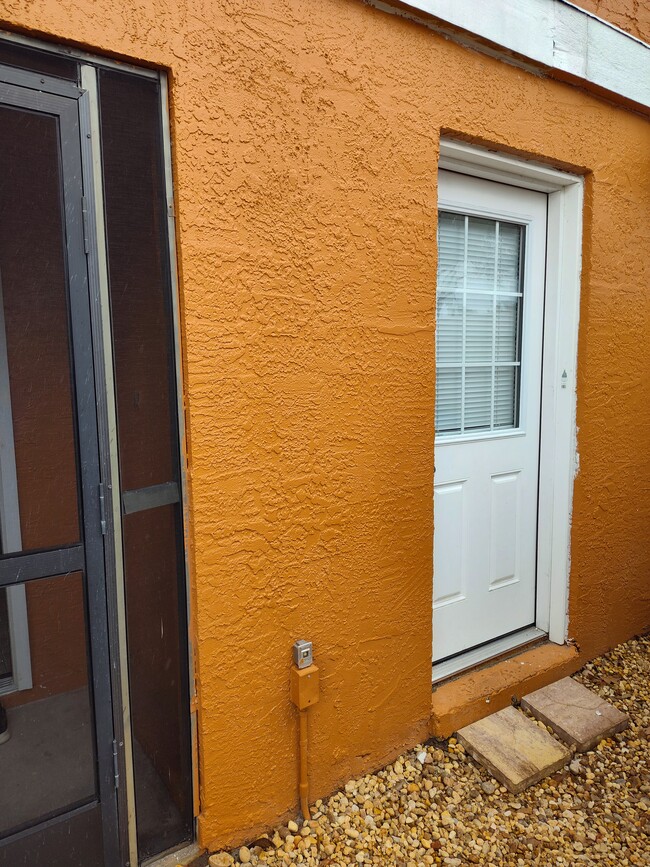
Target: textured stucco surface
630, 15
305, 142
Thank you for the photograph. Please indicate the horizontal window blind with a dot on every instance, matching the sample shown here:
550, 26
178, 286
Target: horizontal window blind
478, 324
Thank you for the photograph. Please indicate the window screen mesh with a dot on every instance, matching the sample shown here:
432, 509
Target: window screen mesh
43, 62
141, 311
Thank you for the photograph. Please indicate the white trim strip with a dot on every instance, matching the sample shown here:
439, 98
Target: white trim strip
559, 458
552, 33
99, 251
493, 166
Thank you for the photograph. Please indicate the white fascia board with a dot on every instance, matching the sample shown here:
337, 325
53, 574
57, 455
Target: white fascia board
553, 33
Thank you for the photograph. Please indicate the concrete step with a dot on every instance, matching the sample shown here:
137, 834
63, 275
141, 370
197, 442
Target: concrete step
576, 714
513, 748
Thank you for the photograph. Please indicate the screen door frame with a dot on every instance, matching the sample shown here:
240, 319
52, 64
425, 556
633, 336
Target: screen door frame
88, 67
31, 92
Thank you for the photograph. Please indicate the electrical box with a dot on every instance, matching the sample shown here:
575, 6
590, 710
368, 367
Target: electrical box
303, 653
305, 686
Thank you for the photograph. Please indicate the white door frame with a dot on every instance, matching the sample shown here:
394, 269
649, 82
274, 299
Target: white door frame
558, 455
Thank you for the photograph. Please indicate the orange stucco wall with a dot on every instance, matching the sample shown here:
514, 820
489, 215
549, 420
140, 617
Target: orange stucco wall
305, 142
630, 15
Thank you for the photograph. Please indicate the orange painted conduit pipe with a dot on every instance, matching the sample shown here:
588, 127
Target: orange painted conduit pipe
303, 787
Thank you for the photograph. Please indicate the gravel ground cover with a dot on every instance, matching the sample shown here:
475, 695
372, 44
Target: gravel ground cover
435, 805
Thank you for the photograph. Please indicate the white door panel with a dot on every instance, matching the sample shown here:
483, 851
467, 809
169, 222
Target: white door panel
489, 354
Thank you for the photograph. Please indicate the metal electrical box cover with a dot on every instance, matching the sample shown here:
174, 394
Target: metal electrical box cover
303, 653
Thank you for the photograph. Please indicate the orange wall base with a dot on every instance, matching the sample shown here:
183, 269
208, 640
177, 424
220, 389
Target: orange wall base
478, 693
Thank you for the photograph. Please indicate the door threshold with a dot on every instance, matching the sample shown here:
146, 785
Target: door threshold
174, 858
485, 653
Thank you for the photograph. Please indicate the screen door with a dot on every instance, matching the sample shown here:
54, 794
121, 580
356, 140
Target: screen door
57, 781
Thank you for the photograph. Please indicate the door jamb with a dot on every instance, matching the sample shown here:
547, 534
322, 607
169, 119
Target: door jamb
558, 431
107, 416
558, 437
182, 430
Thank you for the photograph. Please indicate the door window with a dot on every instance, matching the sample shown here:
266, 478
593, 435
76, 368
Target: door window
39, 504
478, 324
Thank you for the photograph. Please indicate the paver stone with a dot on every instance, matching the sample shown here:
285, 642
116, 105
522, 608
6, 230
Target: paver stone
576, 714
513, 748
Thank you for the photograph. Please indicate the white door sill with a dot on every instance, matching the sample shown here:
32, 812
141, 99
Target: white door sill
443, 670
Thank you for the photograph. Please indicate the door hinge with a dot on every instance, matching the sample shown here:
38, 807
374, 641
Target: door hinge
84, 214
102, 508
116, 767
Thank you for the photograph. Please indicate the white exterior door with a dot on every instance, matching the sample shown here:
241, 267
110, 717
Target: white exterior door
489, 331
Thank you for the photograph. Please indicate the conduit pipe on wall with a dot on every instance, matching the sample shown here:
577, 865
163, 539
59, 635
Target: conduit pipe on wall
303, 783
